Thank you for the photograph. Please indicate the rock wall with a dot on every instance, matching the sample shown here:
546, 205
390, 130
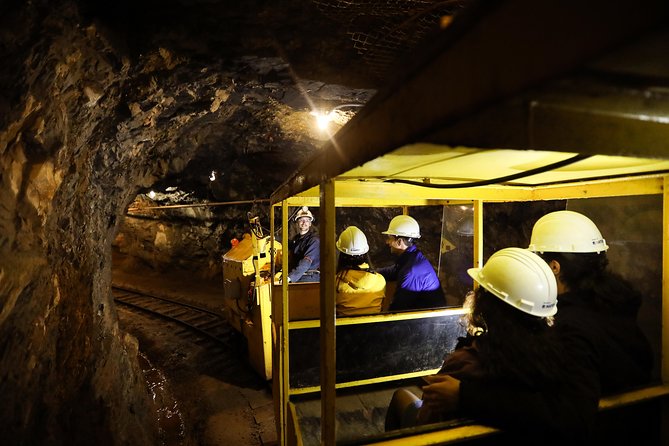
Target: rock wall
90, 115
192, 239
67, 375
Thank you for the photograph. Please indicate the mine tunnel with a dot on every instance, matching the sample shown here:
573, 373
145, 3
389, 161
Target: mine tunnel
154, 152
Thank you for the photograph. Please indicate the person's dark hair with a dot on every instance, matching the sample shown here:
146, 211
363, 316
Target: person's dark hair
514, 343
347, 261
587, 274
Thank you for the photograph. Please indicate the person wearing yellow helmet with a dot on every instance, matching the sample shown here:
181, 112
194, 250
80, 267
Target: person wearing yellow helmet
360, 290
511, 346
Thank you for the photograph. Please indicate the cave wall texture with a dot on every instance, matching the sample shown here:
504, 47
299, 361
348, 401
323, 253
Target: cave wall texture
95, 108
65, 176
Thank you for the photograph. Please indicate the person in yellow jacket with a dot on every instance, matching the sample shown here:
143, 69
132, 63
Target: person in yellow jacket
360, 290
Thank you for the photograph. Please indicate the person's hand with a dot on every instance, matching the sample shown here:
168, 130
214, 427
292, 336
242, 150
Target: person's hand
278, 278
442, 394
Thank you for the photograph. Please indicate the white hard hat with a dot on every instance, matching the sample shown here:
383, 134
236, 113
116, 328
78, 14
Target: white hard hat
304, 212
352, 241
403, 226
520, 278
566, 231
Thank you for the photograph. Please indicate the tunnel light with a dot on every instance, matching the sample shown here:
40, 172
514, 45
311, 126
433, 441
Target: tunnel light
339, 114
322, 119
152, 195
212, 176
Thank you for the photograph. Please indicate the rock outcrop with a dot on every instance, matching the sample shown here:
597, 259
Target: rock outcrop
92, 113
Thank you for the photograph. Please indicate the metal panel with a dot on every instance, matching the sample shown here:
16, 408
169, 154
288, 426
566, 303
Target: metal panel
569, 126
374, 351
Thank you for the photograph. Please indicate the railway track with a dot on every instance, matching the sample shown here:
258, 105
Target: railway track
219, 350
205, 323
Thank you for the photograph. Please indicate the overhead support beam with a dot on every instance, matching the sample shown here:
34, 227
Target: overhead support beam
377, 194
490, 53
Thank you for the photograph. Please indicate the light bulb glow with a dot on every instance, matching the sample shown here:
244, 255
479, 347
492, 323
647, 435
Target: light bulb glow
322, 120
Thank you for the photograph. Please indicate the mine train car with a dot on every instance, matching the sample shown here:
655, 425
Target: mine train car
517, 102
246, 295
352, 364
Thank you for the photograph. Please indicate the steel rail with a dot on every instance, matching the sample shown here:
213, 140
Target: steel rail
162, 306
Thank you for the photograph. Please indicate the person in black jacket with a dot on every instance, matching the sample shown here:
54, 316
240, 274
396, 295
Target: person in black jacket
511, 346
594, 303
596, 322
304, 250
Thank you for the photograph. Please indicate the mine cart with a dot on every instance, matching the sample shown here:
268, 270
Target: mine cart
246, 294
478, 122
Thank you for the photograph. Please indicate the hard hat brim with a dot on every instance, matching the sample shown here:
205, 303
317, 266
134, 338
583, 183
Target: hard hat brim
400, 235
475, 273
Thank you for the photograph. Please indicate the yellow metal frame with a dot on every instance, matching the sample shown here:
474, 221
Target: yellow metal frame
336, 193
665, 282
379, 194
472, 432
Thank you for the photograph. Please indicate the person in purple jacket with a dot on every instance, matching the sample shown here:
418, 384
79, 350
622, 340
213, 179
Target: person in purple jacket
418, 286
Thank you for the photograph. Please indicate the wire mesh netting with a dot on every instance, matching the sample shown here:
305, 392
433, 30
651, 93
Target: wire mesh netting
383, 31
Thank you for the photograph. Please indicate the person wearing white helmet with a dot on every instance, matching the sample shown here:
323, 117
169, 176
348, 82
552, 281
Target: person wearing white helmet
596, 323
304, 249
418, 286
510, 345
595, 303
360, 290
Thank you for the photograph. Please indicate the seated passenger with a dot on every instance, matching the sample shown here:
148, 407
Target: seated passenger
595, 304
511, 345
418, 286
359, 289
304, 250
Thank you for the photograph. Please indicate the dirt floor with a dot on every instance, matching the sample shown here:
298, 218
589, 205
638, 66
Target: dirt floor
203, 398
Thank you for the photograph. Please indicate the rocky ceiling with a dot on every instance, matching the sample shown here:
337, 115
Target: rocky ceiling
101, 101
229, 86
